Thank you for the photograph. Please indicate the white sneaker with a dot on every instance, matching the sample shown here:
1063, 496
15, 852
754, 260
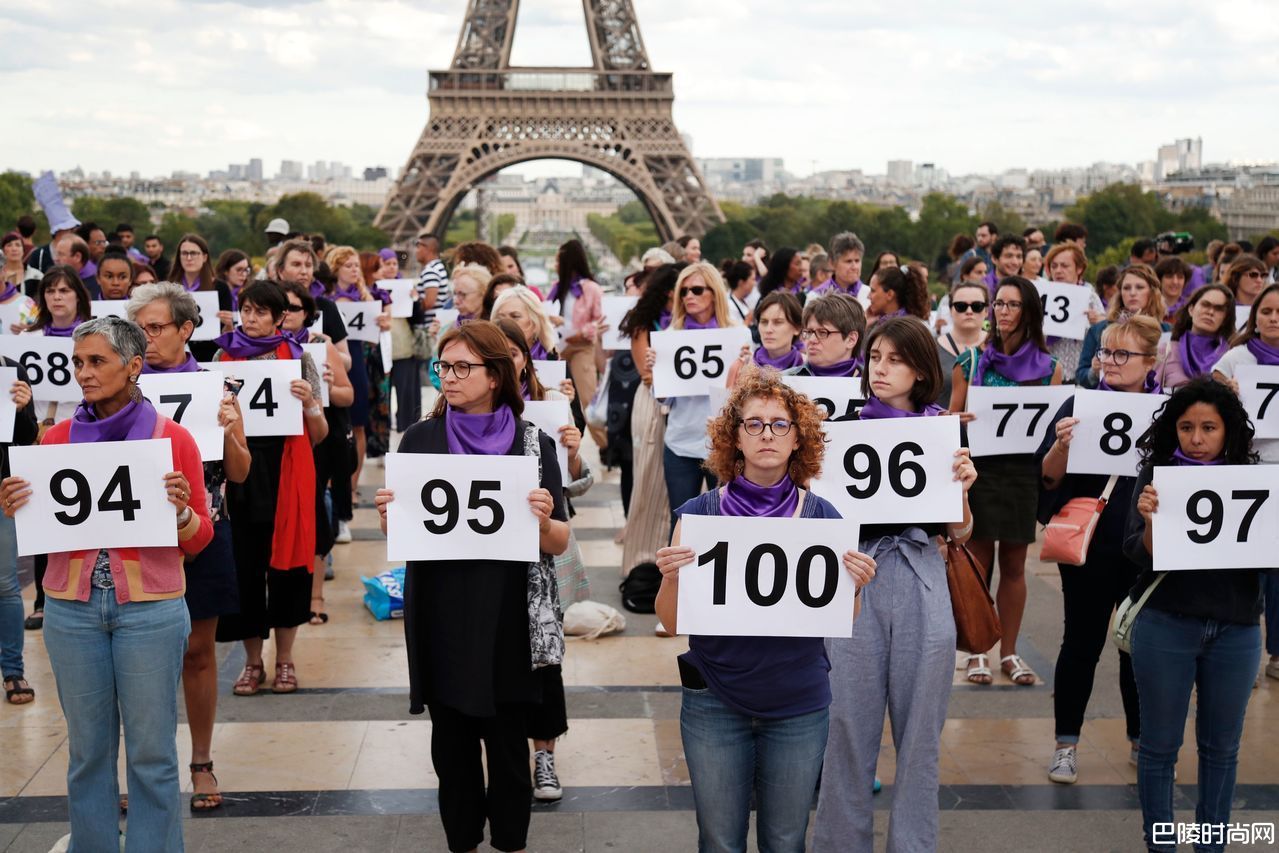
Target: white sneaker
344, 534
1064, 769
659, 630
546, 785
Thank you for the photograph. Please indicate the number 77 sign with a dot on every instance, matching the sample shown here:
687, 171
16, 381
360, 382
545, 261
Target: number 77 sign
1215, 517
1011, 420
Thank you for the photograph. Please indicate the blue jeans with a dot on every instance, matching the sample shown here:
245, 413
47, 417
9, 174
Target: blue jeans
120, 663
1170, 655
10, 602
684, 479
730, 755
1270, 588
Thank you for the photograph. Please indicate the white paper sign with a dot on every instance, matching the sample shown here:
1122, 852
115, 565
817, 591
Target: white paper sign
385, 347
550, 373
549, 416
1012, 420
1257, 386
1242, 313
320, 355
893, 470
446, 316
8, 409
11, 315
47, 361
837, 396
107, 494
109, 308
615, 309
1065, 308
193, 400
1215, 517
766, 577
690, 361
460, 507
1110, 422
403, 291
208, 326
266, 402
360, 319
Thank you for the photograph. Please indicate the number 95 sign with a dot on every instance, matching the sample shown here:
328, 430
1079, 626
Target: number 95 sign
1215, 517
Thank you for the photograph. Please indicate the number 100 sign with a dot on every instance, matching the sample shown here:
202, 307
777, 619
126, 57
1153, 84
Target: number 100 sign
1215, 517
766, 577
461, 507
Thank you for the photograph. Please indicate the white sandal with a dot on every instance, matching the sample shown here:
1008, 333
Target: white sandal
979, 674
1019, 670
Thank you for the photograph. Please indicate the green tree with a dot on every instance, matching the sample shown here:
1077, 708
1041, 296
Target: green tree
16, 199
1116, 212
109, 212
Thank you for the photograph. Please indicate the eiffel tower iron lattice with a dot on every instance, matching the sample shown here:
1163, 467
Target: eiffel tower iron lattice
486, 115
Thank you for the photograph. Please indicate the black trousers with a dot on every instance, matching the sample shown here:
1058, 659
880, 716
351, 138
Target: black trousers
548, 719
406, 378
1090, 593
465, 804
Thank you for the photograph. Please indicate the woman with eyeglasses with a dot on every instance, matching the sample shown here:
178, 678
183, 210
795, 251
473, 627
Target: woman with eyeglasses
754, 712
1246, 278
1091, 591
1201, 334
1004, 496
832, 332
273, 510
478, 631
194, 272
1139, 293
901, 656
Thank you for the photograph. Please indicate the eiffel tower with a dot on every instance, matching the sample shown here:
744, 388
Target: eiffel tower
486, 115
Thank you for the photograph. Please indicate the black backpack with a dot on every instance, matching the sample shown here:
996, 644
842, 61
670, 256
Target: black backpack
639, 588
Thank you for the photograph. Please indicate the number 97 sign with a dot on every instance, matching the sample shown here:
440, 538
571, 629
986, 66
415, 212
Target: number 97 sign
1215, 517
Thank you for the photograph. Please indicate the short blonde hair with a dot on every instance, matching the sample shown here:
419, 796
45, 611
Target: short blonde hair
536, 309
723, 317
1145, 329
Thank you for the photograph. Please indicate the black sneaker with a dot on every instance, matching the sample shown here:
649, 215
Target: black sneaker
546, 785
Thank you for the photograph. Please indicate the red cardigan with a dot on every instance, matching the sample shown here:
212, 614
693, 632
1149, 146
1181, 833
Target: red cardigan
140, 574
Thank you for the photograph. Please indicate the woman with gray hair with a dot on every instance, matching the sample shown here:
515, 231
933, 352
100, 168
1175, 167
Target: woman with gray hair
115, 622
167, 315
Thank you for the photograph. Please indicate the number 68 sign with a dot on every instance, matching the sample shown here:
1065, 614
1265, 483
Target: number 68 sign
1215, 517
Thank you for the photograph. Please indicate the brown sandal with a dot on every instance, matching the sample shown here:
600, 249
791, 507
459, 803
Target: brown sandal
250, 680
286, 678
204, 802
318, 617
17, 691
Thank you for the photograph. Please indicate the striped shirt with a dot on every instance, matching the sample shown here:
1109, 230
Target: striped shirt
435, 275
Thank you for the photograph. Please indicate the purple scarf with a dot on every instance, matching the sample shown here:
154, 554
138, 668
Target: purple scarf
188, 366
302, 335
839, 368
1199, 353
1026, 364
538, 352
664, 320
1179, 458
900, 312
793, 357
62, 333
9, 289
692, 325
830, 284
484, 435
191, 286
134, 422
742, 497
1265, 353
239, 345
877, 408
316, 288
235, 298
574, 287
352, 293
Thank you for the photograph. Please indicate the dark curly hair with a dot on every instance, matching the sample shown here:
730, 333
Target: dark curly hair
725, 457
1159, 442
652, 302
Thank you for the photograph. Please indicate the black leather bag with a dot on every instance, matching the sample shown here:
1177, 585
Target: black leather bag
639, 588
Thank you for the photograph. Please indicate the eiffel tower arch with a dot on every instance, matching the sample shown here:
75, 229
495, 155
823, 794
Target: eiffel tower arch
486, 116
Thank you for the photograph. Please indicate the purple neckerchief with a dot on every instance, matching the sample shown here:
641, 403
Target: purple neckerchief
574, 287
9, 289
830, 284
463, 319
1028, 363
188, 366
1179, 458
352, 293
851, 367
1265, 353
489, 434
744, 498
239, 345
692, 325
664, 320
134, 422
538, 352
53, 332
1149, 386
525, 391
191, 286
877, 408
90, 269
1200, 352
900, 312
235, 298
384, 295
316, 288
793, 357
991, 278
302, 335
796, 289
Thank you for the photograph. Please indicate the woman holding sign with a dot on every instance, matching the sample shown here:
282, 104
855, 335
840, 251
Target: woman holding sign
1091, 591
1139, 294
1004, 496
901, 656
755, 710
1258, 343
16, 689
780, 319
1201, 334
475, 630
273, 510
167, 313
1067, 264
116, 624
194, 272
1198, 630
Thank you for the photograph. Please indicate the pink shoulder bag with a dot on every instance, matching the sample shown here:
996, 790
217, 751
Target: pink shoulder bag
1069, 533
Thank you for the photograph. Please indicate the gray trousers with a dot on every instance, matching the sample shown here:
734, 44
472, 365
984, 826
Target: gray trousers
900, 658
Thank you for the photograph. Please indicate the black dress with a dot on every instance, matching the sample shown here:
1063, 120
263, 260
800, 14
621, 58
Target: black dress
466, 623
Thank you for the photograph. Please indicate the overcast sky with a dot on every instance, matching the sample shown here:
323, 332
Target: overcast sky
191, 84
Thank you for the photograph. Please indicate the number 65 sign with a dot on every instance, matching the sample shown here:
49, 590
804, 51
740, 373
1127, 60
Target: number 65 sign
690, 361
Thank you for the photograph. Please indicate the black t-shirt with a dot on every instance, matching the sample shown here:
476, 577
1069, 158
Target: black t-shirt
333, 325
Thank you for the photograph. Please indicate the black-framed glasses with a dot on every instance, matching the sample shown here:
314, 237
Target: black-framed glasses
293, 309
694, 290
194, 253
819, 334
1012, 305
965, 307
153, 330
755, 426
461, 369
1119, 356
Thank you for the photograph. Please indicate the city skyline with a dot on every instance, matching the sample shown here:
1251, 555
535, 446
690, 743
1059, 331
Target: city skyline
347, 81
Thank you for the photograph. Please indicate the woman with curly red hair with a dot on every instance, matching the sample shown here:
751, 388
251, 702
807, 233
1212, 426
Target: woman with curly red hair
755, 708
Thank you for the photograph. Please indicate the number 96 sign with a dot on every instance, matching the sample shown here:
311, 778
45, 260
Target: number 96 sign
1215, 517
461, 507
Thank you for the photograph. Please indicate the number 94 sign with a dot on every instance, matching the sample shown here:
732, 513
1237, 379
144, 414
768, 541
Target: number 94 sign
1215, 517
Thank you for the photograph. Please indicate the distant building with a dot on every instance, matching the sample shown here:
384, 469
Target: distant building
374, 172
254, 172
901, 172
290, 170
1184, 155
741, 168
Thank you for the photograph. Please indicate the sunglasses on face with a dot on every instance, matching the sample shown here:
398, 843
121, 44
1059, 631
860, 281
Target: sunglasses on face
695, 290
965, 307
